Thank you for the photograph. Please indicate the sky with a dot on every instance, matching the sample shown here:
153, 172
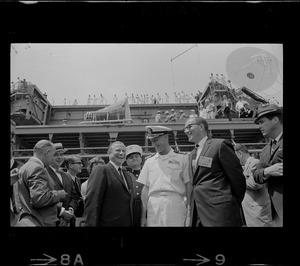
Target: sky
75, 71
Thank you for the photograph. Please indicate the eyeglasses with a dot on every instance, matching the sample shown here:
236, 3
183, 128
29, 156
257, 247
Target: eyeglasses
188, 127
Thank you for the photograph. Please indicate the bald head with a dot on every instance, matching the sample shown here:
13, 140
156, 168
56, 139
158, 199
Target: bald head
196, 128
198, 121
44, 150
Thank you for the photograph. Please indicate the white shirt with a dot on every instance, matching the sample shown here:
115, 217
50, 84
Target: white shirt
166, 173
57, 173
278, 137
199, 149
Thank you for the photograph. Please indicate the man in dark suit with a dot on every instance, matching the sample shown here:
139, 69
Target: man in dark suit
270, 167
35, 194
218, 182
63, 181
74, 166
108, 198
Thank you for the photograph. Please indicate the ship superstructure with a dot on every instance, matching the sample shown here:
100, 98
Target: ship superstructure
84, 130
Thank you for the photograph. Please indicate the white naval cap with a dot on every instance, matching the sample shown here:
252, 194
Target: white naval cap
134, 149
156, 131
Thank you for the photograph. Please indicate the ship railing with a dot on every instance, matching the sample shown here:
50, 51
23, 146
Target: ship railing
89, 152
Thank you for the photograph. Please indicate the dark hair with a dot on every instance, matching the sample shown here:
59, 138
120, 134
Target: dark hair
92, 161
202, 121
71, 159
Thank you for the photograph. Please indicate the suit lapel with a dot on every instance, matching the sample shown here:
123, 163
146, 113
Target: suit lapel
278, 144
205, 147
55, 177
193, 155
120, 178
128, 180
203, 151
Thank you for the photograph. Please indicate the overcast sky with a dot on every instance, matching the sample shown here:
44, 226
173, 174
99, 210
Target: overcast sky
74, 71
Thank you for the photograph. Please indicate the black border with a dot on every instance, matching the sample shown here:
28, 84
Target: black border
182, 22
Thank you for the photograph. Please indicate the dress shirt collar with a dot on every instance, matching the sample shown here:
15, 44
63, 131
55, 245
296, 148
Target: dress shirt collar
278, 137
55, 170
201, 142
115, 166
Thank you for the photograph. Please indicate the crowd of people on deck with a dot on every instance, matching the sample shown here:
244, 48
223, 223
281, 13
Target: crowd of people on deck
216, 184
165, 98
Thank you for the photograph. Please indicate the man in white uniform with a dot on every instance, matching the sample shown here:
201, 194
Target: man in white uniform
167, 184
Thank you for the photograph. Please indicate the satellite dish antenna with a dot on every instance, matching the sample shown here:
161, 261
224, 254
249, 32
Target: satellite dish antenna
254, 68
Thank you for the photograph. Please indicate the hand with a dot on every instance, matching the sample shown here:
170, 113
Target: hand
67, 215
71, 211
143, 222
274, 170
63, 223
62, 194
188, 220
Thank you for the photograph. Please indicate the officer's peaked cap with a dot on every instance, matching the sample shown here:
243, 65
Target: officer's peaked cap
156, 131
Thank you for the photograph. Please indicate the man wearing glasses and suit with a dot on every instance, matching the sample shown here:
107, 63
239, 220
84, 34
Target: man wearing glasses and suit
218, 182
74, 166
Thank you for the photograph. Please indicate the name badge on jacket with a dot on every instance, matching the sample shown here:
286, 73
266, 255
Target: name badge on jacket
205, 161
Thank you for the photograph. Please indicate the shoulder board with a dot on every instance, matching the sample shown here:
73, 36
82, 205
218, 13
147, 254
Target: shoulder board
149, 156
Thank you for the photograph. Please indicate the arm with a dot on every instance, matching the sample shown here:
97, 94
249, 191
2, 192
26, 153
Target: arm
189, 189
250, 182
233, 169
95, 195
143, 179
263, 170
187, 179
74, 198
40, 193
144, 197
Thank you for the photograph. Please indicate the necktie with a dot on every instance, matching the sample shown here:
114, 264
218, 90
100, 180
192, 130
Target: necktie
121, 174
59, 175
273, 145
194, 158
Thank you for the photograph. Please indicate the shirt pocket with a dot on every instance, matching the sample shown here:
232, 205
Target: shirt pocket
174, 166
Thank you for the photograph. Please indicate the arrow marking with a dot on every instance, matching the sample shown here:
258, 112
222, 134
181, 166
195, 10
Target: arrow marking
201, 260
47, 261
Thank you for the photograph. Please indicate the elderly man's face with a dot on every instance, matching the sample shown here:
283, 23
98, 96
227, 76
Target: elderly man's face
58, 159
117, 154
